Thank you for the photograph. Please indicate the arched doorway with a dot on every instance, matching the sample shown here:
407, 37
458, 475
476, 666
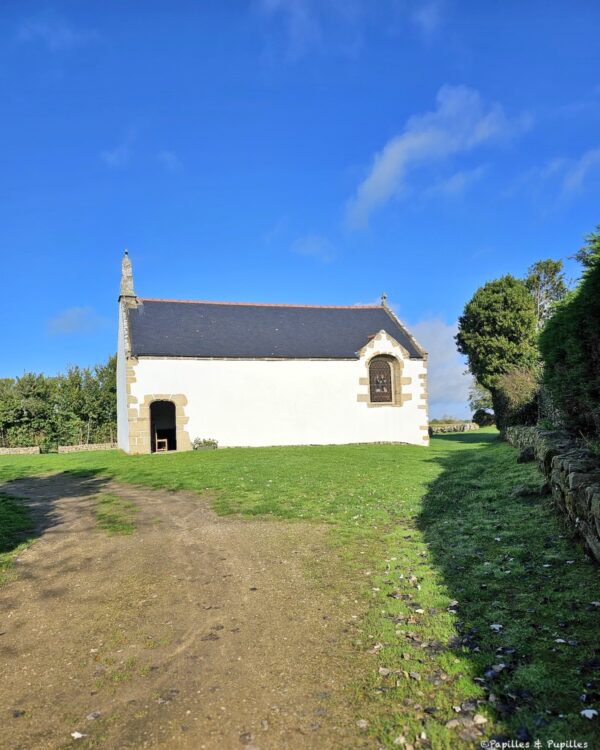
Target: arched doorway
163, 426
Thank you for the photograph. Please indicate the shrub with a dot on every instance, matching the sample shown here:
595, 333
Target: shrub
497, 330
570, 348
203, 444
516, 398
483, 418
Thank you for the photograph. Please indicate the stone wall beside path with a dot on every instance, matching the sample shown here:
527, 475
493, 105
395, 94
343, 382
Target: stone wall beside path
573, 474
436, 429
87, 447
30, 451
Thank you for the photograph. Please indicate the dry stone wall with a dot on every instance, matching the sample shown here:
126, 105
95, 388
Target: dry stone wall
573, 474
435, 429
31, 451
87, 447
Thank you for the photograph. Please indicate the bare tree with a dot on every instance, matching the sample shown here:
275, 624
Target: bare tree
546, 283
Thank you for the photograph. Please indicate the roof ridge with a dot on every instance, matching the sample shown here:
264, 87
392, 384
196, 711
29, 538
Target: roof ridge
392, 315
259, 304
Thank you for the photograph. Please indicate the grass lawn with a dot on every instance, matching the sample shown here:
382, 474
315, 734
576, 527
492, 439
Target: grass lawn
483, 611
15, 531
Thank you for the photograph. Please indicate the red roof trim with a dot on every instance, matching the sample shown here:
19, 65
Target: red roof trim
258, 304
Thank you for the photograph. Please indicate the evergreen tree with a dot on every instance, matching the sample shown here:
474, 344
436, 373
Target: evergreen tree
497, 332
590, 252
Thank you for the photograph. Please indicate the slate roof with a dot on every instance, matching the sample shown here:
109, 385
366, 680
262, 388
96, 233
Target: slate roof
170, 328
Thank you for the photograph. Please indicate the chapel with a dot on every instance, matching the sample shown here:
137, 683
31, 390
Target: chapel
248, 374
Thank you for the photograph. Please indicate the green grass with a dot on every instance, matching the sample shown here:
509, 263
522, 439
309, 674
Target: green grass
16, 528
418, 529
115, 515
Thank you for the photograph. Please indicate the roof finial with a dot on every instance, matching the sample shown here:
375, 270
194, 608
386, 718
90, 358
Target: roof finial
384, 299
126, 277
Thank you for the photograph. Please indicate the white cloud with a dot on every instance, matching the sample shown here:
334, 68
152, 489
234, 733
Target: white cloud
567, 176
458, 183
427, 16
121, 153
302, 23
276, 231
339, 26
582, 106
117, 156
52, 32
75, 320
448, 383
577, 170
461, 122
314, 246
169, 160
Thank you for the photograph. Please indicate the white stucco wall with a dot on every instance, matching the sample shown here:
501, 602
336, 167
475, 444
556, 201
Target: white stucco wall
285, 402
122, 422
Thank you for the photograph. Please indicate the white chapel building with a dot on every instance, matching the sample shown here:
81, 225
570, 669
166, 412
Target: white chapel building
263, 374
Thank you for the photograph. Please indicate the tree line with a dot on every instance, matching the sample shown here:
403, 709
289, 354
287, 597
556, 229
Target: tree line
79, 406
533, 346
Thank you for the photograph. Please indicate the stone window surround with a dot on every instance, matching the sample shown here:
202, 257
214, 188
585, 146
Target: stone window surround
400, 394
396, 367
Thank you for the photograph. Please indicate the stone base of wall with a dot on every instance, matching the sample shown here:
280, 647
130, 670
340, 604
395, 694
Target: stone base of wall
435, 429
87, 447
573, 473
33, 451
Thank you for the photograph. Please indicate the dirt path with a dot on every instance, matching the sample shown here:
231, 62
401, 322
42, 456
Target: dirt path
194, 632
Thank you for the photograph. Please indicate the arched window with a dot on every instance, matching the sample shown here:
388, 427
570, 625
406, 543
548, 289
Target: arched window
380, 381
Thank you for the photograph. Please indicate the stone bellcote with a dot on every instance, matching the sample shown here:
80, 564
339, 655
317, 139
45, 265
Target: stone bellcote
127, 293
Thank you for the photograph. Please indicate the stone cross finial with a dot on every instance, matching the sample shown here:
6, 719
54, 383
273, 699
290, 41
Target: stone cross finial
126, 277
384, 299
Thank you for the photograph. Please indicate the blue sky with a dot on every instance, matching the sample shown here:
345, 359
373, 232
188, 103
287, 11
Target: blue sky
311, 151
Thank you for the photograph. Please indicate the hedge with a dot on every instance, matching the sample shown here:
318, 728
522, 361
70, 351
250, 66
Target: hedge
570, 348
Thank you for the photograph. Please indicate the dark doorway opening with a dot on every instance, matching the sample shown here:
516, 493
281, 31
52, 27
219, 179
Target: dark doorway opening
163, 427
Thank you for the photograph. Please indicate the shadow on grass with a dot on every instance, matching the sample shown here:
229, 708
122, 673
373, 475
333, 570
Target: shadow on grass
475, 437
525, 615
28, 504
